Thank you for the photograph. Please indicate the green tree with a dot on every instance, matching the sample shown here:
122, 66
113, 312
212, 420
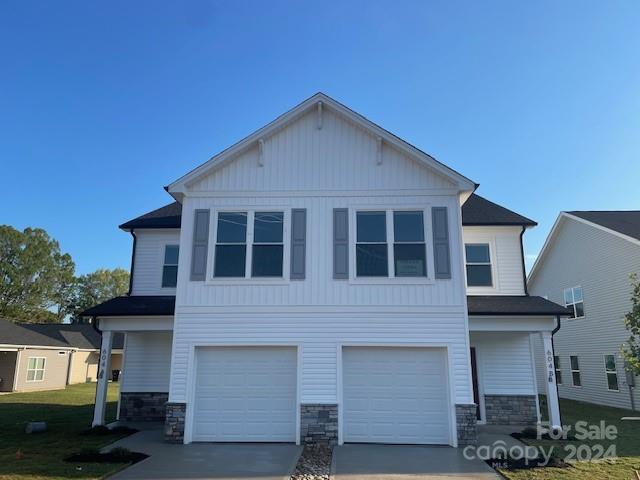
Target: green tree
36, 278
631, 350
97, 287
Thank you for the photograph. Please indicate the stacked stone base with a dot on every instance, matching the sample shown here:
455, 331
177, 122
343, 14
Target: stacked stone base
319, 424
511, 409
174, 422
143, 406
467, 424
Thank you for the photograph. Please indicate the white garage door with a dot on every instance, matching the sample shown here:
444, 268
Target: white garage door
395, 395
245, 394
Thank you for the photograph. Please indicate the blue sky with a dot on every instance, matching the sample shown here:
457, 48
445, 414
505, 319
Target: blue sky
104, 103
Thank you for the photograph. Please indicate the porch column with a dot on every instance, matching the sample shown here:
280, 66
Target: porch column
552, 388
104, 367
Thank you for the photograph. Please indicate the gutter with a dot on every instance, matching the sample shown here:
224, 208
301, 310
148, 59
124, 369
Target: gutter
524, 271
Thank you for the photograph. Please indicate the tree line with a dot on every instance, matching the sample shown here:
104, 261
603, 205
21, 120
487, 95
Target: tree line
38, 282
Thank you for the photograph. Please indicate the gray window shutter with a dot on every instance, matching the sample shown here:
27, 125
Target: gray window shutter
340, 243
441, 253
298, 243
200, 245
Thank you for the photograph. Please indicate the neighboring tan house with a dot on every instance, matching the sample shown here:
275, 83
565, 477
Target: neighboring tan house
50, 356
324, 281
585, 264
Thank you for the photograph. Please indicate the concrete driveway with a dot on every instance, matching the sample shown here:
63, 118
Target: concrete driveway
399, 462
263, 461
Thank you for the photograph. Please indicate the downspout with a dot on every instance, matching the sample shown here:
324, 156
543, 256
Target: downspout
553, 348
133, 258
524, 270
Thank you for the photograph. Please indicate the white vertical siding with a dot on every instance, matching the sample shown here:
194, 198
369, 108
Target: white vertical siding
149, 259
504, 363
147, 362
601, 263
506, 259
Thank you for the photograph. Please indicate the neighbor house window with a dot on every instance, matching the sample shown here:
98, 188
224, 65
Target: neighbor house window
404, 231
35, 369
574, 302
556, 362
575, 371
478, 265
170, 266
611, 372
264, 253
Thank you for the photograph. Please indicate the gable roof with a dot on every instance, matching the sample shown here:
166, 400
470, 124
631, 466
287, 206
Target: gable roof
320, 101
133, 305
476, 211
81, 336
621, 223
626, 222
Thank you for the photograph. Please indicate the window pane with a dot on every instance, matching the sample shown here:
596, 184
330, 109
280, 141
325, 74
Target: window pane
574, 363
267, 261
169, 276
577, 294
410, 260
610, 363
171, 255
479, 276
579, 309
371, 260
576, 379
372, 227
408, 227
32, 364
31, 375
39, 375
230, 261
558, 377
268, 227
568, 297
612, 381
556, 361
232, 227
40, 363
477, 253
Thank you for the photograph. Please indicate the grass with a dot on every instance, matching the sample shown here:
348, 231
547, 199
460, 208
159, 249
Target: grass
67, 413
627, 446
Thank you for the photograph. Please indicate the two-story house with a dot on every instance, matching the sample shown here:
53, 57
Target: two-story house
323, 280
585, 264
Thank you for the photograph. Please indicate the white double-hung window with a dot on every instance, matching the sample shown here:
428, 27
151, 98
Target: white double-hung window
35, 369
249, 244
574, 301
390, 243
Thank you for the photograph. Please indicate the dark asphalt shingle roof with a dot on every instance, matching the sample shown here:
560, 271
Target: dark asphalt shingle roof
133, 305
53, 335
513, 305
626, 222
476, 211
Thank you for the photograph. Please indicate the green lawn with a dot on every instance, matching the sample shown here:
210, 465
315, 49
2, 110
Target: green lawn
627, 446
67, 412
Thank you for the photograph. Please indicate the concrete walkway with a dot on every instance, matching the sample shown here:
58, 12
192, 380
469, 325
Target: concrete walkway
399, 462
237, 461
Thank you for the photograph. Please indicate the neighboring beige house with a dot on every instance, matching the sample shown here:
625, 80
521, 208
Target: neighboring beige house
50, 356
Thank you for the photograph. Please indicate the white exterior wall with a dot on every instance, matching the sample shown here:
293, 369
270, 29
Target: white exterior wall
149, 259
321, 169
600, 262
147, 362
506, 259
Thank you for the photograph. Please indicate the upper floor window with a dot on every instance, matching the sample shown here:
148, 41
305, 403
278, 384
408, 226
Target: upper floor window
254, 239
35, 369
404, 231
170, 266
611, 372
478, 265
574, 302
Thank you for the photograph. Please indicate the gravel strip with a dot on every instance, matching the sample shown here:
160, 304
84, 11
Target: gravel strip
314, 464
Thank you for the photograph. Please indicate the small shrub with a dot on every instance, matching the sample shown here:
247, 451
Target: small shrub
97, 430
123, 429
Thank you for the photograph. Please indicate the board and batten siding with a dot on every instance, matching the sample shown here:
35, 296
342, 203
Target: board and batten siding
149, 259
147, 362
506, 258
600, 262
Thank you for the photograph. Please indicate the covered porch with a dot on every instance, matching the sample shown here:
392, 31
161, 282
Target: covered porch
502, 330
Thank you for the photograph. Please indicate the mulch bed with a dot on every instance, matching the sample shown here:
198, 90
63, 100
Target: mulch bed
525, 464
314, 463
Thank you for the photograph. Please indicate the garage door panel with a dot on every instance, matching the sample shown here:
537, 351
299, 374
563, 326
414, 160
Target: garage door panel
245, 394
395, 395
